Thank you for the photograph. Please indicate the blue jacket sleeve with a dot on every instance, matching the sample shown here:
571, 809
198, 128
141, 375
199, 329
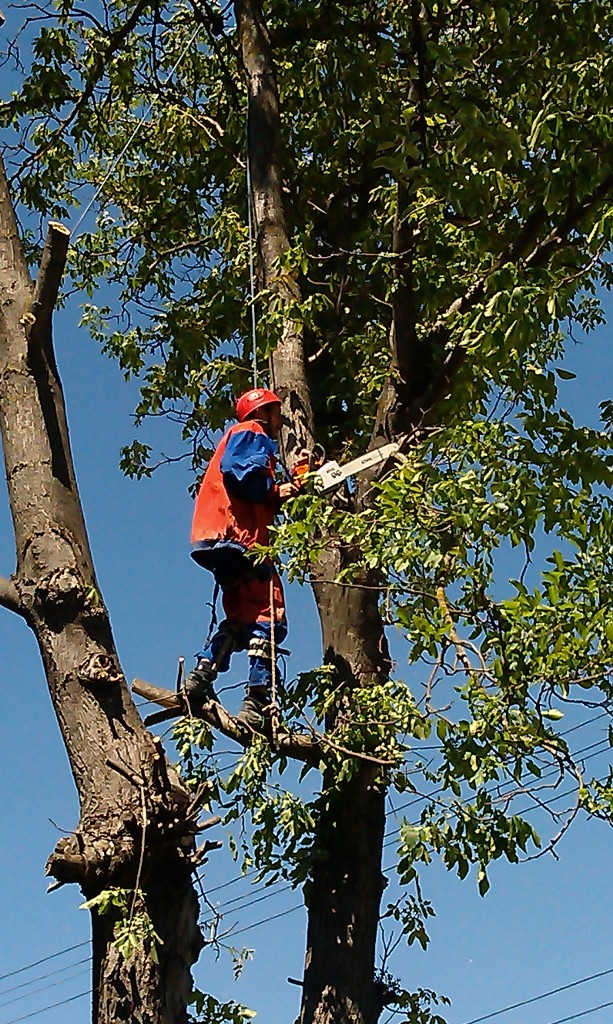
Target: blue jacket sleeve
245, 466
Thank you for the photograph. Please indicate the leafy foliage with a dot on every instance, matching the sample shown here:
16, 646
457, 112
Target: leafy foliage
133, 931
485, 151
209, 1010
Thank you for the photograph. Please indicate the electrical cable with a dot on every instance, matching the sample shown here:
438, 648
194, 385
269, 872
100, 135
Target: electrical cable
45, 959
80, 995
390, 842
584, 1013
241, 877
545, 803
418, 799
44, 988
266, 920
42, 977
251, 903
544, 995
52, 1006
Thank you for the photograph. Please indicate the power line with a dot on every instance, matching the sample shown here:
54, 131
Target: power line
545, 803
575, 1016
251, 903
44, 960
44, 988
42, 977
257, 924
80, 995
278, 891
52, 1006
420, 799
389, 842
543, 995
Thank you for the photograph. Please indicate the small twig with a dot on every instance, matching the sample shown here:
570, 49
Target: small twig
194, 807
441, 599
66, 831
199, 854
324, 738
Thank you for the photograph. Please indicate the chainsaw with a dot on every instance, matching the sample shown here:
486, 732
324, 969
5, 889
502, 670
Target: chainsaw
328, 476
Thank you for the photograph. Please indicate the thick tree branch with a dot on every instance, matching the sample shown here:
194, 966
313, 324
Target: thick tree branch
213, 24
290, 744
411, 358
421, 413
9, 597
12, 260
526, 249
403, 334
575, 214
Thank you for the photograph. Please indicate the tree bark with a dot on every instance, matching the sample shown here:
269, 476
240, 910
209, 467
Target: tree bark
343, 901
136, 829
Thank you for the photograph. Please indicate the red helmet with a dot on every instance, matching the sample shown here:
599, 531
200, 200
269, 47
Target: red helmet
252, 400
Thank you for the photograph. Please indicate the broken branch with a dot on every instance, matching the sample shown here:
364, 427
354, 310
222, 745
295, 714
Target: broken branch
9, 597
50, 275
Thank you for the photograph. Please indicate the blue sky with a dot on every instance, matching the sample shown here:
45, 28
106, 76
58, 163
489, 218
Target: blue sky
543, 925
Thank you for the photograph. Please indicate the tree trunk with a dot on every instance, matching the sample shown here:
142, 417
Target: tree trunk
344, 895
136, 829
343, 901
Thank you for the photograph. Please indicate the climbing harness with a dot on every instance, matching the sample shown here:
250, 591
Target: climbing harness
259, 647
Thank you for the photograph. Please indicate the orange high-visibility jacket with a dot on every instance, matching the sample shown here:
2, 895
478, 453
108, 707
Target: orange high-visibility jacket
238, 497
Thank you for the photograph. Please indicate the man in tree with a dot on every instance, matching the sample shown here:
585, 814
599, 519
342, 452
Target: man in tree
237, 501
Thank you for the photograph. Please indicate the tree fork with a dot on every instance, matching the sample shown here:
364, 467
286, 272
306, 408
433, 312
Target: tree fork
127, 835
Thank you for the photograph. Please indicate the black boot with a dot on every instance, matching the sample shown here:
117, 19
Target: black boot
199, 684
255, 711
